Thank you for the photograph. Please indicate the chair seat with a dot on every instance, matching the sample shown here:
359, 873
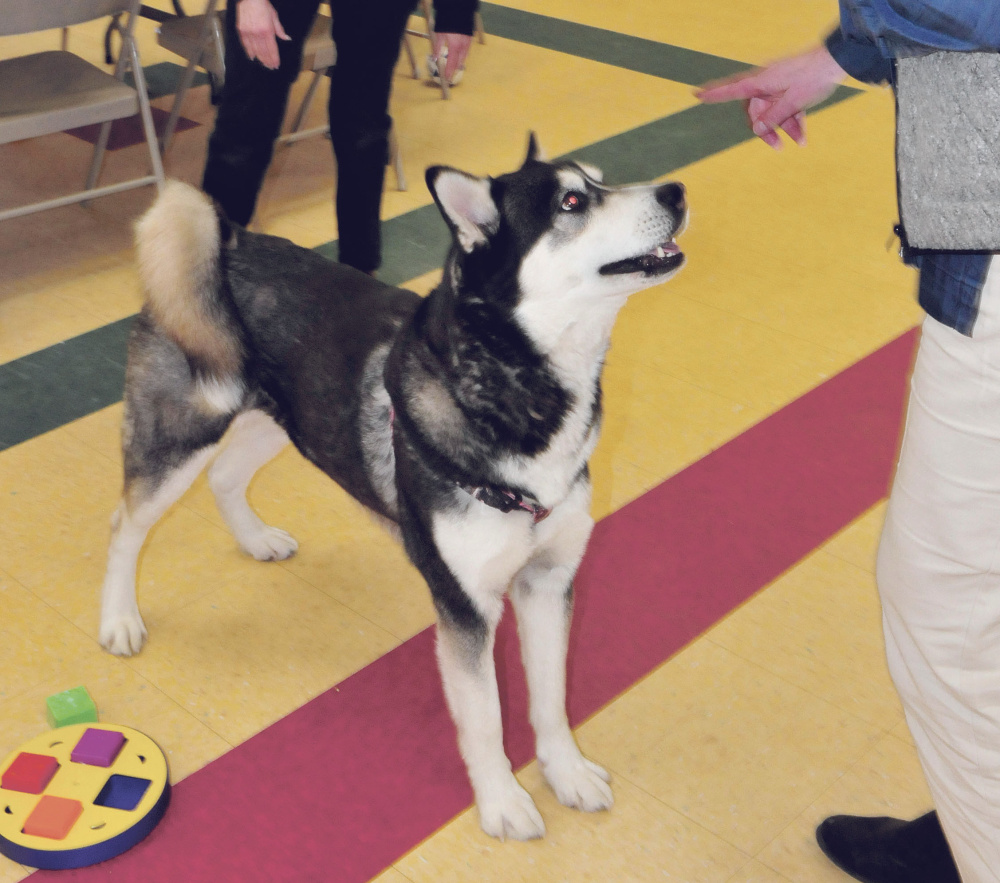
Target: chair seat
319, 51
183, 35
54, 91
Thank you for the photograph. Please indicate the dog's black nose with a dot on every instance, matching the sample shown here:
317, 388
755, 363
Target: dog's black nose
671, 196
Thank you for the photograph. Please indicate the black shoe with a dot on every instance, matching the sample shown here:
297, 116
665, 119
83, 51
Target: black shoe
884, 850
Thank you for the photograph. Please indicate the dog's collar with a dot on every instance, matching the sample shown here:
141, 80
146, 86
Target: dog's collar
497, 498
507, 501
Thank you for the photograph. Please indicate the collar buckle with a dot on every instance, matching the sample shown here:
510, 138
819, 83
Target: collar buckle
509, 501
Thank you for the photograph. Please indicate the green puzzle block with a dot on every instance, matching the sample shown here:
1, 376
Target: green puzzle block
72, 707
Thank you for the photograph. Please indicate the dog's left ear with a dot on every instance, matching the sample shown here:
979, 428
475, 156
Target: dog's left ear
466, 203
535, 152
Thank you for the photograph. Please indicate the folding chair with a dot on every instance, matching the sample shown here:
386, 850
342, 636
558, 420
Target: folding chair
198, 38
47, 92
115, 26
318, 55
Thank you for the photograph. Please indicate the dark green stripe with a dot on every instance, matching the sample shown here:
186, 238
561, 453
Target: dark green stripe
164, 78
48, 389
415, 243
608, 47
670, 143
54, 386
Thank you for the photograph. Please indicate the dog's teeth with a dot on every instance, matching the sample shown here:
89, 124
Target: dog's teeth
659, 251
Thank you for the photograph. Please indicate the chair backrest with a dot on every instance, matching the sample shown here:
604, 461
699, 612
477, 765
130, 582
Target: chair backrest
26, 16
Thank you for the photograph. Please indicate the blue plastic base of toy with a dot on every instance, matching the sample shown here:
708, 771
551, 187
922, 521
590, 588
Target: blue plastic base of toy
61, 860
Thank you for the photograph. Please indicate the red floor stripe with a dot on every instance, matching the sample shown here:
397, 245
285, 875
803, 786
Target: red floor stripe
342, 787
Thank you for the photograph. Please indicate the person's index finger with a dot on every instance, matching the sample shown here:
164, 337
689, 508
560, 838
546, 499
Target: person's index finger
730, 90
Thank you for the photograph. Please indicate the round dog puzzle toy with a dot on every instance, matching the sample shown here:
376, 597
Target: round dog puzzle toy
80, 795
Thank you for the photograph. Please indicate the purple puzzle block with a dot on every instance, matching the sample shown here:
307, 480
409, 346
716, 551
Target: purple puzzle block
98, 747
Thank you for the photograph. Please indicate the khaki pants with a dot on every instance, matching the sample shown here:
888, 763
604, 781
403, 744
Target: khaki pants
939, 579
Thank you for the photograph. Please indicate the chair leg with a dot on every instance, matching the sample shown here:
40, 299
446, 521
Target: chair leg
98, 159
306, 102
187, 78
411, 56
213, 29
219, 47
102, 137
146, 113
396, 159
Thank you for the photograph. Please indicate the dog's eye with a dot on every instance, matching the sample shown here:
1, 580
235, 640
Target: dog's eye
574, 202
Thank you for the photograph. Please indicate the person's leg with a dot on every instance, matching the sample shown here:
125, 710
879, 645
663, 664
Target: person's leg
368, 38
251, 110
939, 580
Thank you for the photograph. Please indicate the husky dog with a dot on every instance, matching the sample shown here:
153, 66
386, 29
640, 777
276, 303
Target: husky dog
466, 418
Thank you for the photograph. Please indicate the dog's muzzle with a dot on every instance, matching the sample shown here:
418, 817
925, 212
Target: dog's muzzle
662, 259
666, 256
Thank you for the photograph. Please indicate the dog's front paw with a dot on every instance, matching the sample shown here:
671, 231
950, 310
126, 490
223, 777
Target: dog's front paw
510, 813
269, 543
579, 783
123, 635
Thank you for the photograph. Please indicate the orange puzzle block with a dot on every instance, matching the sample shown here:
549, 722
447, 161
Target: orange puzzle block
53, 817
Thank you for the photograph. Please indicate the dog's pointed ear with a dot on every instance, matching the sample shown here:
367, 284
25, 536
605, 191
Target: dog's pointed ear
466, 203
535, 152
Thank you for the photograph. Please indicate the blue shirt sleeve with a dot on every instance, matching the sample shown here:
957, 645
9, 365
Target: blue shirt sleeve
915, 27
862, 59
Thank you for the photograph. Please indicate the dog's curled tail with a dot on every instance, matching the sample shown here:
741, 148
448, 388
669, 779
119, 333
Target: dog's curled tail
178, 242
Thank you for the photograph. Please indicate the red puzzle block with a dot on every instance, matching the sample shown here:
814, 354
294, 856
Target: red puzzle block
29, 773
53, 817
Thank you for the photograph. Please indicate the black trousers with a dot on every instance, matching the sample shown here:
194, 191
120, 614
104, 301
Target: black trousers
254, 99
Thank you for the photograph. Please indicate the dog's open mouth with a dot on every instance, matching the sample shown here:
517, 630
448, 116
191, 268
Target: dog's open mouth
665, 257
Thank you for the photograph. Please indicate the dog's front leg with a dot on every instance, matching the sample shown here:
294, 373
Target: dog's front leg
468, 672
468, 558
542, 596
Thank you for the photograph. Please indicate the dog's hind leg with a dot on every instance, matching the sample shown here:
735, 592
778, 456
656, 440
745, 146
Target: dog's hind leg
542, 596
144, 502
254, 439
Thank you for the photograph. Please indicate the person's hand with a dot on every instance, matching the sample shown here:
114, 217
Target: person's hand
259, 29
458, 48
776, 96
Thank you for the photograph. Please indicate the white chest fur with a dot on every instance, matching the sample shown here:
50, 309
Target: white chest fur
575, 346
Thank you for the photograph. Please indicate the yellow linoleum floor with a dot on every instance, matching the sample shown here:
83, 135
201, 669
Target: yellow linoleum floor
724, 758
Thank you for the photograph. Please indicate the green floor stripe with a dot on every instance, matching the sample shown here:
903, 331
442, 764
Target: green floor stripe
670, 143
608, 47
48, 389
54, 386
415, 243
164, 77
